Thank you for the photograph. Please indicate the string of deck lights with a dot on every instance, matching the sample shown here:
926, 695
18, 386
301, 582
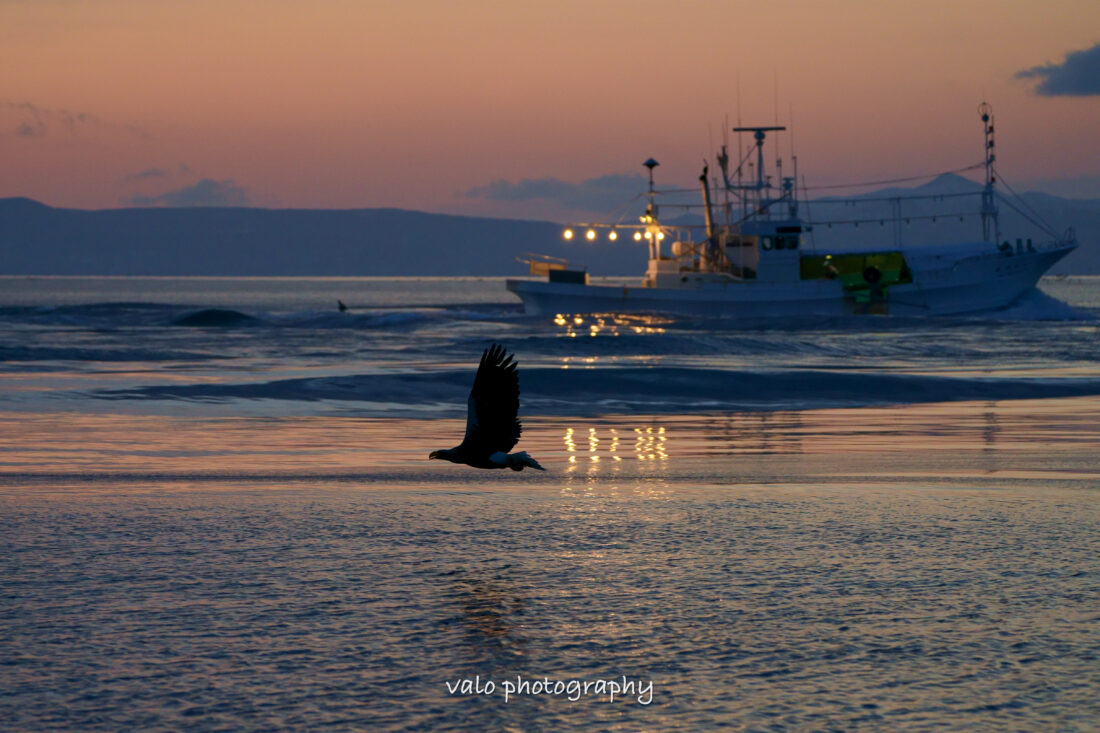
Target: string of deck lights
591, 234
612, 235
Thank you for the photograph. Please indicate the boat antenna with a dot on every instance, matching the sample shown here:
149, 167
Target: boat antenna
775, 96
778, 149
790, 123
794, 158
740, 149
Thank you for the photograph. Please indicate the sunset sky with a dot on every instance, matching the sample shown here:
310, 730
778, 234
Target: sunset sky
525, 109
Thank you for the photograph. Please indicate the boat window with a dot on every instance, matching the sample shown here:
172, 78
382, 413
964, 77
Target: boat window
766, 242
786, 241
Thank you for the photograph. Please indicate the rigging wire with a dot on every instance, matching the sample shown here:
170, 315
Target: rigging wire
1031, 215
1041, 223
870, 183
1021, 212
882, 220
896, 180
879, 199
846, 201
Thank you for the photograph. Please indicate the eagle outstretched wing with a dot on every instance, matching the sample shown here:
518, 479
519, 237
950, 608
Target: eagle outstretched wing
491, 423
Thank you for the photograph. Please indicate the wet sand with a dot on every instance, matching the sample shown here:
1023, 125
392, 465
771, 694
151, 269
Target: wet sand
1020, 444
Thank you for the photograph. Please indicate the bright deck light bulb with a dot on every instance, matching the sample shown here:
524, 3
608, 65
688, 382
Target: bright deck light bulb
568, 234
590, 234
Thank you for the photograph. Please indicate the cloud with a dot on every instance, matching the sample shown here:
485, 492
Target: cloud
1077, 76
27, 129
37, 121
30, 121
595, 194
148, 174
206, 192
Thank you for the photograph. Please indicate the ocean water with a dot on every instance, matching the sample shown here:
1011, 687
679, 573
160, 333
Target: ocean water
218, 513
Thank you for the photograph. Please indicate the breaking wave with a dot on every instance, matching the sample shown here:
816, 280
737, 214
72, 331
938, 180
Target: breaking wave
93, 354
131, 315
215, 318
598, 390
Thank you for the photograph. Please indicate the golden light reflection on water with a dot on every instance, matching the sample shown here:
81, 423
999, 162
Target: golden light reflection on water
598, 452
1017, 439
609, 324
649, 488
649, 443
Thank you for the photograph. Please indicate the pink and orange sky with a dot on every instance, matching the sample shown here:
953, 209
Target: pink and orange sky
525, 109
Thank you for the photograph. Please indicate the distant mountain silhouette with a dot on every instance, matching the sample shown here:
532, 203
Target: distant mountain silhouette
36, 239
39, 240
945, 184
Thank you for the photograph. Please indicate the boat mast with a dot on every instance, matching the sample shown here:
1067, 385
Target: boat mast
759, 134
708, 216
650, 218
989, 202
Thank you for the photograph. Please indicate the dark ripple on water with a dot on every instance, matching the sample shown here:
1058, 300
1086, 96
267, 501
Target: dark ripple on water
914, 610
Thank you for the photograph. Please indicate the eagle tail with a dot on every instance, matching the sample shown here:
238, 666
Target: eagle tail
516, 461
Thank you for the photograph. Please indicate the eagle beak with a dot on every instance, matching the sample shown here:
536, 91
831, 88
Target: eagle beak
433, 454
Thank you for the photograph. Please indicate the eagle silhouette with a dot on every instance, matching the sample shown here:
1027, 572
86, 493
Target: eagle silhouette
492, 428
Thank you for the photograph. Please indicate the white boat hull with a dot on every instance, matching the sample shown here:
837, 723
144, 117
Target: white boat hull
942, 285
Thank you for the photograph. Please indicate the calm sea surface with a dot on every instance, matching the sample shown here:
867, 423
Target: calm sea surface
216, 512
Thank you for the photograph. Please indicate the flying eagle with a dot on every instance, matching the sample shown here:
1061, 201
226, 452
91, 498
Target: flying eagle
492, 428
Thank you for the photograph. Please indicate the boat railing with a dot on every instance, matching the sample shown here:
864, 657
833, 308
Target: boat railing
541, 265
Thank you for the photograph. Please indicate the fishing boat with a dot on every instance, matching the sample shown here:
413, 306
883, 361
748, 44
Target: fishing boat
755, 257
